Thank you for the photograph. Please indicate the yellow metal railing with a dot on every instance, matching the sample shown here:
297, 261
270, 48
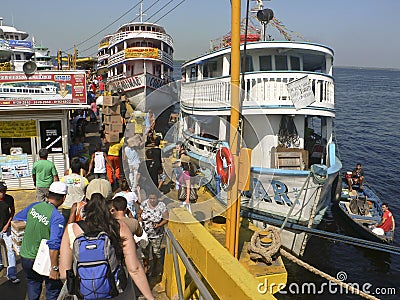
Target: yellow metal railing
223, 275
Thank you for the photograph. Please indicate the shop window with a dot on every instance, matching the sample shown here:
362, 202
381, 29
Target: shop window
51, 136
8, 143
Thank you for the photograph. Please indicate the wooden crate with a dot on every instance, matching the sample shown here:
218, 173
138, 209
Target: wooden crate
289, 160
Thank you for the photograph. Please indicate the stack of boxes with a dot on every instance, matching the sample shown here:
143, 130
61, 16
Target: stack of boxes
112, 118
17, 234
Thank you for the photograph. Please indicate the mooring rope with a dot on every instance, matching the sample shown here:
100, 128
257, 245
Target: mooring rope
314, 270
259, 252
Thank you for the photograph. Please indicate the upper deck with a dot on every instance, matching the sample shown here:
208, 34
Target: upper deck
140, 31
270, 66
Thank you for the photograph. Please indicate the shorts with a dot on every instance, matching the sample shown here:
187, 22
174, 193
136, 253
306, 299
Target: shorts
153, 247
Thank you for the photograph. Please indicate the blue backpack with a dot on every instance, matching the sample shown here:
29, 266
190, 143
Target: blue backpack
96, 272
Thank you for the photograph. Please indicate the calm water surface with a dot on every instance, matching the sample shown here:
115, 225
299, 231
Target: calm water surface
368, 131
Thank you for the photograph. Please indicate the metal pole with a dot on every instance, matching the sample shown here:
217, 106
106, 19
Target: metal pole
232, 234
177, 274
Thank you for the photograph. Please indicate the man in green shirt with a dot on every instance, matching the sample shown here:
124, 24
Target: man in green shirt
43, 221
44, 173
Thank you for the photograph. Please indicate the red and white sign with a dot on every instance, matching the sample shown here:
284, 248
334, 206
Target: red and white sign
42, 88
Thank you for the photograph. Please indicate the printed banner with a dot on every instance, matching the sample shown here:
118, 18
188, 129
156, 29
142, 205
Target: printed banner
300, 92
141, 52
14, 166
42, 88
18, 129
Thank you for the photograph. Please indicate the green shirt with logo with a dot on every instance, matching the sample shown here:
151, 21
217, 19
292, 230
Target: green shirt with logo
43, 221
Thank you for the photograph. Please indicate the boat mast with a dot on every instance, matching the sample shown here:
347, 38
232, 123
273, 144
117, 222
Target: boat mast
141, 12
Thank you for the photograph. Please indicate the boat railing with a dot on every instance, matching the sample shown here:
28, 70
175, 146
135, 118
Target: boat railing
4, 45
121, 36
260, 88
204, 147
103, 56
120, 56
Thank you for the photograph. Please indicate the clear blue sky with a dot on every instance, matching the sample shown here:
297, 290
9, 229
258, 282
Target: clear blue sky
362, 32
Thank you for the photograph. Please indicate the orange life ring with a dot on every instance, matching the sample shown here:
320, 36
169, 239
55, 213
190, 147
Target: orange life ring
225, 153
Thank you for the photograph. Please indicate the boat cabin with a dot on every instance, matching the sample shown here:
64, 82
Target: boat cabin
280, 135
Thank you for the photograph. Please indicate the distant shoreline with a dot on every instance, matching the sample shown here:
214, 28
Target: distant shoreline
366, 68
338, 67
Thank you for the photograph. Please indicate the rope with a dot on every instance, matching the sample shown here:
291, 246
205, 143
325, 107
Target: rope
310, 268
257, 251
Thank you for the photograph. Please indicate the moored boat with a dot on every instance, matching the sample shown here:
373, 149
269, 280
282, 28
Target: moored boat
21, 48
139, 59
293, 158
362, 210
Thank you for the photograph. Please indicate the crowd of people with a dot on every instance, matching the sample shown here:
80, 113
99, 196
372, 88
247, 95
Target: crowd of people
120, 212
127, 208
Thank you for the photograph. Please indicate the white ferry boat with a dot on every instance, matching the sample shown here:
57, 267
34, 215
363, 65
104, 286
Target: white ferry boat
139, 58
42, 57
293, 159
22, 49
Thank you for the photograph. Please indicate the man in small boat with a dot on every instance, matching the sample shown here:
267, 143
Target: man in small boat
357, 177
387, 219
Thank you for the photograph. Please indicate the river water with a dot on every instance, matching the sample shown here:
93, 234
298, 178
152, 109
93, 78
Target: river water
367, 131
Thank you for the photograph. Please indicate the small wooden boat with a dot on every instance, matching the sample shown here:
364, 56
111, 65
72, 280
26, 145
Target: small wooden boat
362, 209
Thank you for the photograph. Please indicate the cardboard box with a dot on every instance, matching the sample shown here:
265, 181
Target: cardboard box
112, 137
113, 128
16, 248
114, 119
18, 228
110, 100
112, 110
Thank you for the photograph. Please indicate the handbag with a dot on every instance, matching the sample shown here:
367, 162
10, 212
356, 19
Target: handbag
182, 194
42, 262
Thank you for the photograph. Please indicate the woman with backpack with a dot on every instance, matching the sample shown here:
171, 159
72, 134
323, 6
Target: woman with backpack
100, 225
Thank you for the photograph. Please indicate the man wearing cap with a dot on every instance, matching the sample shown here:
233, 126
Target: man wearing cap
44, 173
43, 221
7, 211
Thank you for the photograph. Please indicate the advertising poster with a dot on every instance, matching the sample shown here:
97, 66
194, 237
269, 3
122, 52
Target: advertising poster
14, 166
42, 88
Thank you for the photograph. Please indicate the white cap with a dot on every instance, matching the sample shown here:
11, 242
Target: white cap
58, 187
101, 186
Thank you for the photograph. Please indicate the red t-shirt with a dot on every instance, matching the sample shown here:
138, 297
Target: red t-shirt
387, 226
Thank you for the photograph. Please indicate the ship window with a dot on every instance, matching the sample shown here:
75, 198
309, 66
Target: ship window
12, 90
193, 72
143, 28
281, 63
18, 56
249, 63
148, 28
31, 91
19, 90
265, 63
6, 90
295, 63
25, 90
